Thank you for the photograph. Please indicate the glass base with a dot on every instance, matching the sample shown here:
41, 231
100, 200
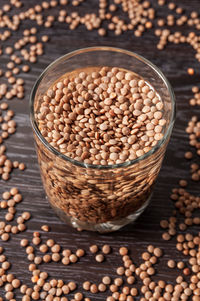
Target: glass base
107, 227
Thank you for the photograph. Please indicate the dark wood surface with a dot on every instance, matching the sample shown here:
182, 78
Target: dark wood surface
173, 61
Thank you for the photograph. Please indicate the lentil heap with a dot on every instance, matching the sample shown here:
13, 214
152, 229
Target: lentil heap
101, 116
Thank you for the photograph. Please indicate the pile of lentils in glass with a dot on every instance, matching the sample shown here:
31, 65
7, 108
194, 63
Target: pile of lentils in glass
24, 26
101, 115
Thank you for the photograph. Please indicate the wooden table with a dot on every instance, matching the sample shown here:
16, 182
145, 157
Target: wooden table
173, 61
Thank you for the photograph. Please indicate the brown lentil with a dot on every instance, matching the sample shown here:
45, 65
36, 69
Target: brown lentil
94, 249
99, 258
106, 280
93, 289
106, 249
45, 228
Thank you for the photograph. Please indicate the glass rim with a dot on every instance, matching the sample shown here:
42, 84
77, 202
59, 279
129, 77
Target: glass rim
97, 166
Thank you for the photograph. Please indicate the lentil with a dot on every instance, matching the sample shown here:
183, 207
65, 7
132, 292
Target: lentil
99, 258
94, 249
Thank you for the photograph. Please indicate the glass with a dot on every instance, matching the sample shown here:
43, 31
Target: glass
96, 197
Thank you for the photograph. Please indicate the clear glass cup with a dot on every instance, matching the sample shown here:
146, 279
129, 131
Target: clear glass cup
96, 197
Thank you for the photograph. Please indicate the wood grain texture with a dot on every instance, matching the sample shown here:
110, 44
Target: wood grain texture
173, 61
